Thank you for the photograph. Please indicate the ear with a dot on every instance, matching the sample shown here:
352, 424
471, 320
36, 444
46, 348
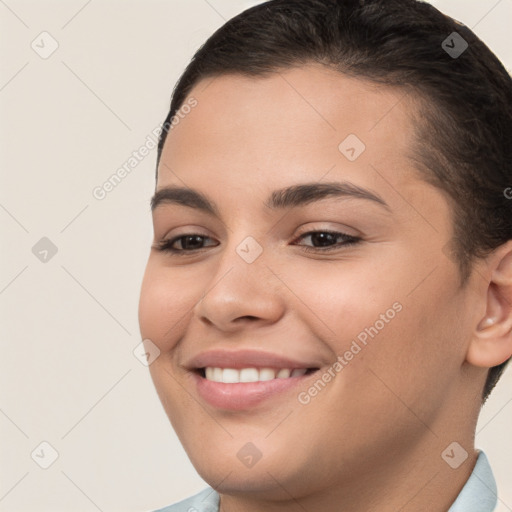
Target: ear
492, 339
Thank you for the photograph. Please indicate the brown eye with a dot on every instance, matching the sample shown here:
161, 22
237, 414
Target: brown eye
184, 243
327, 240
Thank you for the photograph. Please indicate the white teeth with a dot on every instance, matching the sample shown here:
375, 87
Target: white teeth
230, 376
233, 376
217, 375
267, 374
249, 375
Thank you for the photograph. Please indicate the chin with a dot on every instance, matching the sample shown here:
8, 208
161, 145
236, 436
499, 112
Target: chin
223, 468
265, 483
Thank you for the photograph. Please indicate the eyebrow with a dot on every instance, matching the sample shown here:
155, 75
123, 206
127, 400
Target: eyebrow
289, 197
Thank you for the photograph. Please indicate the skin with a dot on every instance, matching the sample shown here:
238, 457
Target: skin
373, 437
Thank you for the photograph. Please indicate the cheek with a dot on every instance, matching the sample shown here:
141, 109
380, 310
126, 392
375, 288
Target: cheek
397, 323
342, 299
418, 354
166, 302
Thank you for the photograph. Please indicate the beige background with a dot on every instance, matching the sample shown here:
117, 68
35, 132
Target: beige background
68, 375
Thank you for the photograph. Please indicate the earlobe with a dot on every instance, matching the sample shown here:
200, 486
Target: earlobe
492, 339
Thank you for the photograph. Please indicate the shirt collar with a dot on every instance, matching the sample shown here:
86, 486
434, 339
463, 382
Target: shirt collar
480, 493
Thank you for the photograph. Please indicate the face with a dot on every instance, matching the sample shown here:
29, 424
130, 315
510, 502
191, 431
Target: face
307, 317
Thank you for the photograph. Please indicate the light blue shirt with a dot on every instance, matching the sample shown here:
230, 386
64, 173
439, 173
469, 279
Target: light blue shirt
478, 495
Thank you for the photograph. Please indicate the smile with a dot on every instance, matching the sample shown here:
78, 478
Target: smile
243, 379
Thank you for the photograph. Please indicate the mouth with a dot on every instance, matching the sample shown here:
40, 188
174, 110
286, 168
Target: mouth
230, 389
245, 379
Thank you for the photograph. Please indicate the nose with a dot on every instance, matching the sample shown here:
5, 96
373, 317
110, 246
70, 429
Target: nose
240, 294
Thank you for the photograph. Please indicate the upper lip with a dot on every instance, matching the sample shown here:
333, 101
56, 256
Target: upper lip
238, 359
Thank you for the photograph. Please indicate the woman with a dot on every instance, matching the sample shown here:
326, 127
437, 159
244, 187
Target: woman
330, 284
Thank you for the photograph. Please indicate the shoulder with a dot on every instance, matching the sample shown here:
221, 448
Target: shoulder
205, 501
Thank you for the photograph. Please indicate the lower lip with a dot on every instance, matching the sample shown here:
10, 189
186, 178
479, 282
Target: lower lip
243, 395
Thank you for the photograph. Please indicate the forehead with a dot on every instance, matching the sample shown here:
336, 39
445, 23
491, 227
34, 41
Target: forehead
302, 122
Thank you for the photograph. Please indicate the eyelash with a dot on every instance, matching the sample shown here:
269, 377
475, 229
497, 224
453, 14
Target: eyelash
348, 240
